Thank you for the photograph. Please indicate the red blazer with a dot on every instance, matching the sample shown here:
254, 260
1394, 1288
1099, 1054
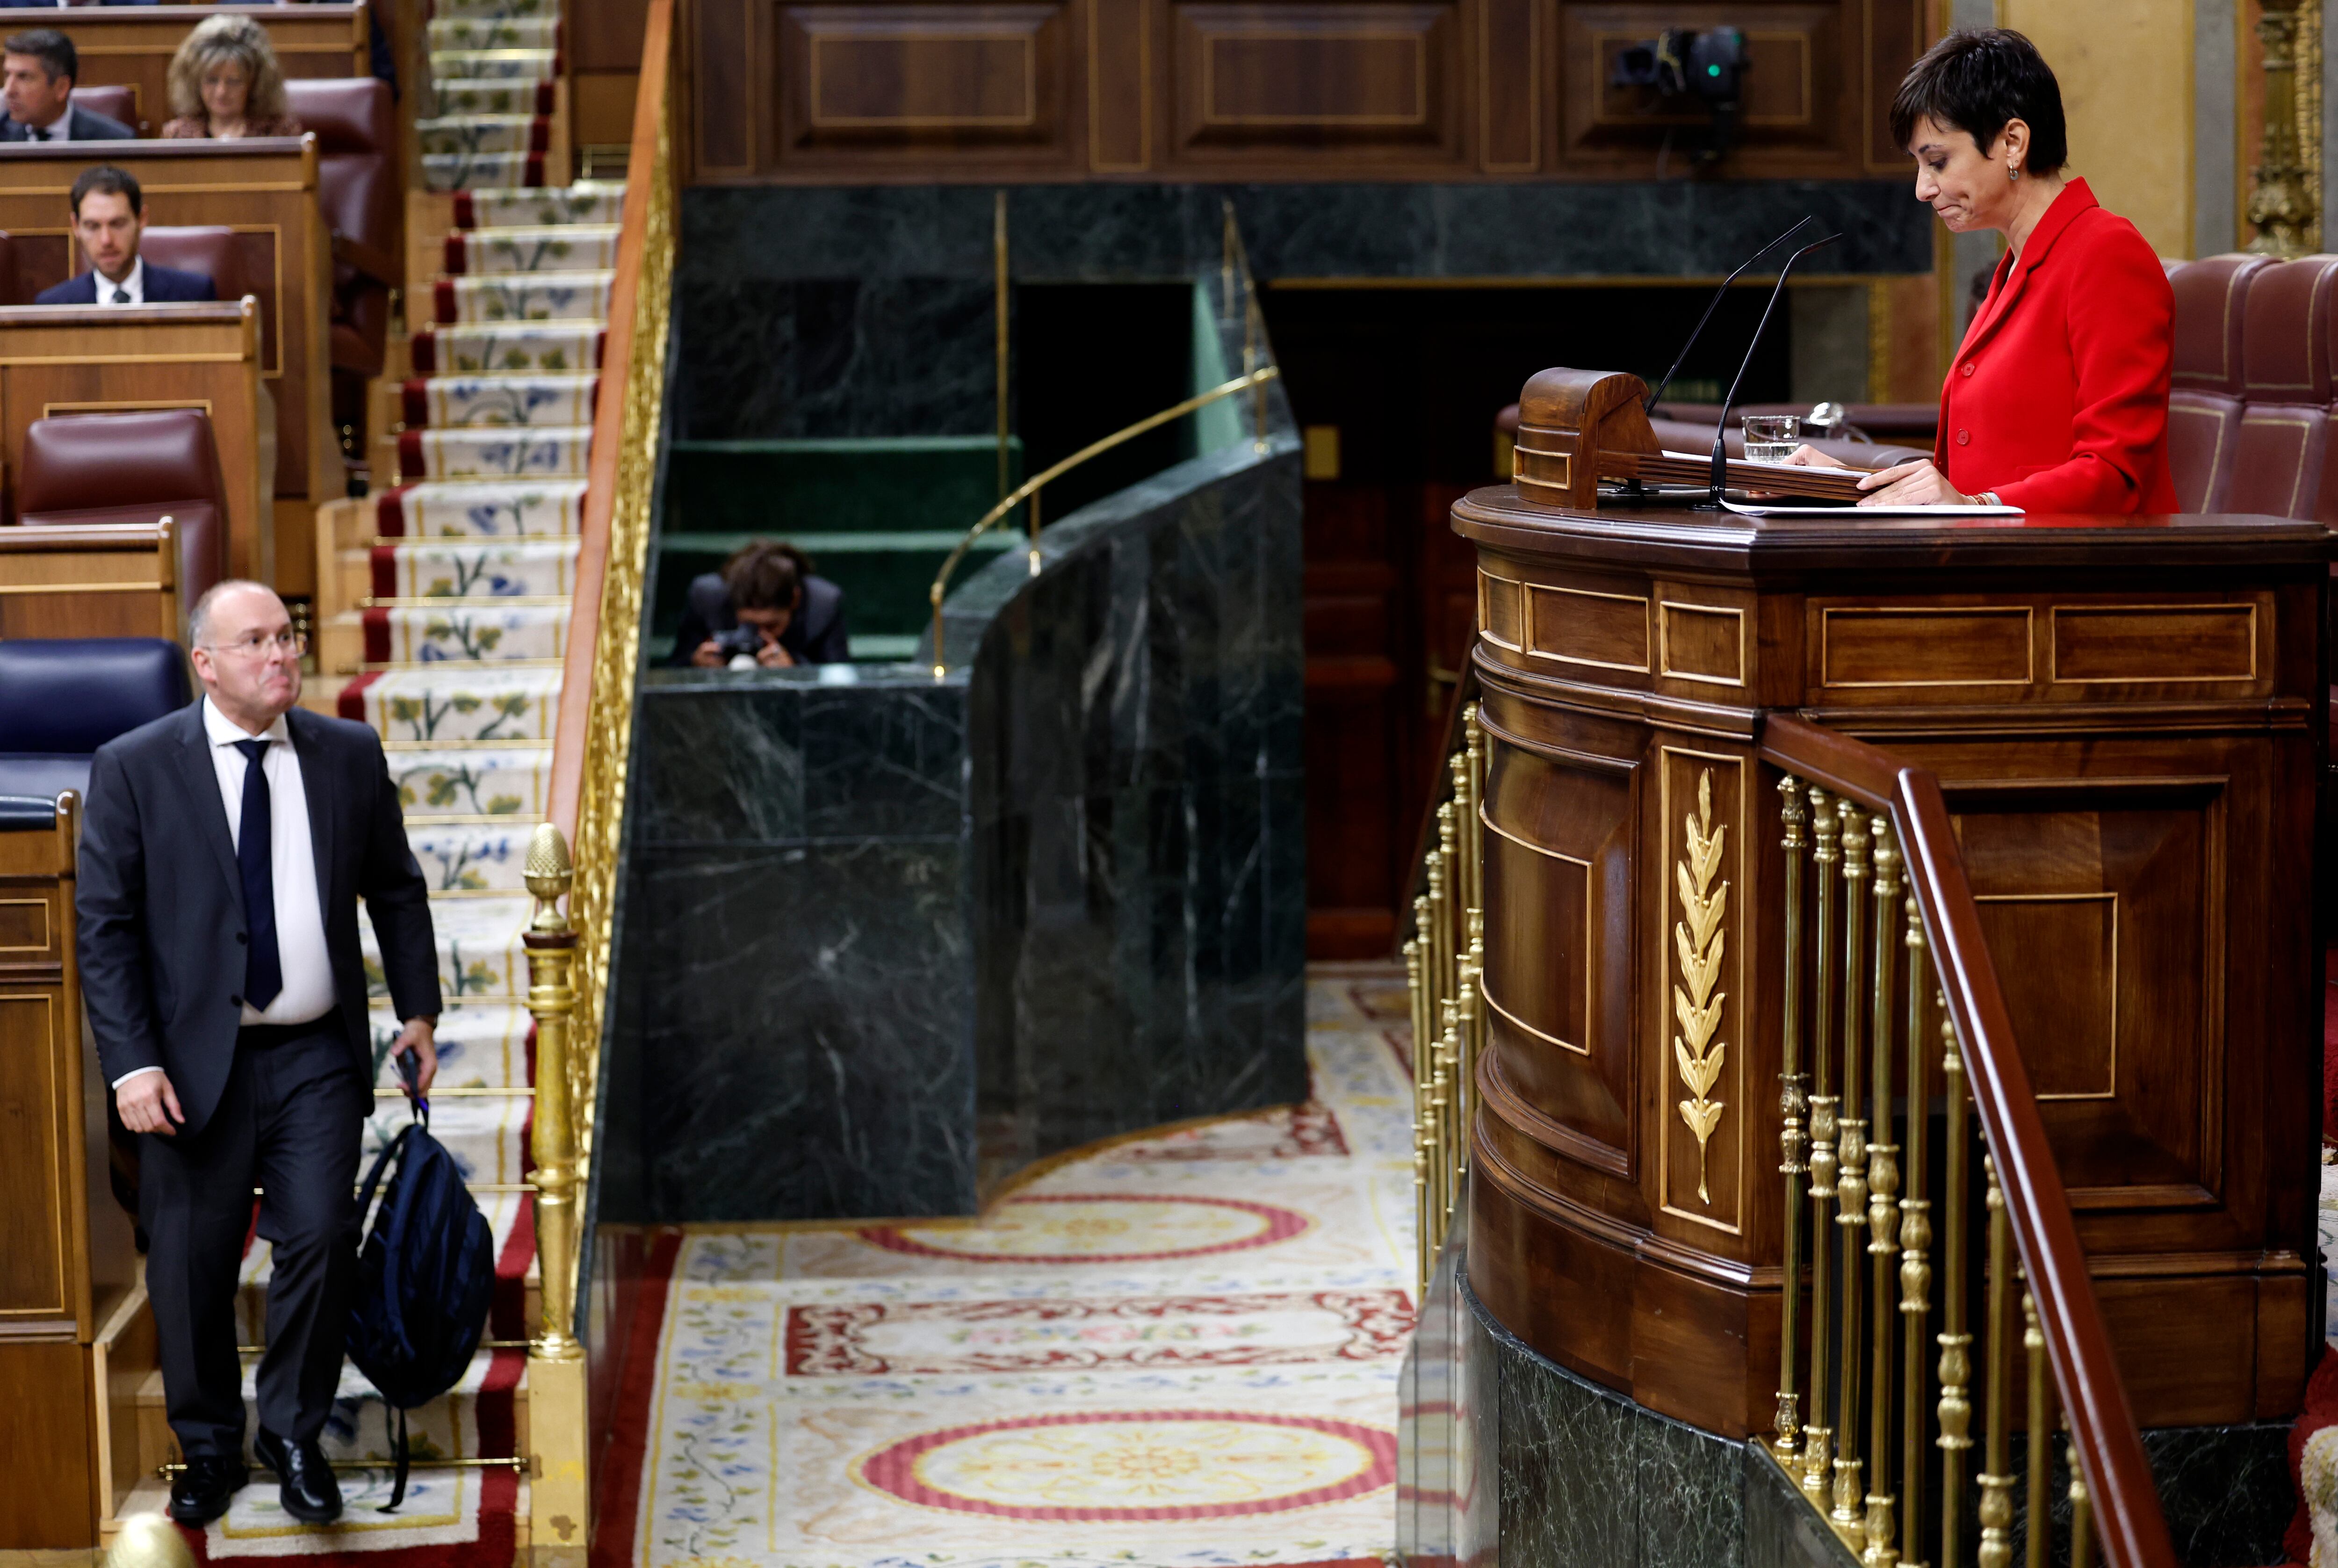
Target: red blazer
2058, 400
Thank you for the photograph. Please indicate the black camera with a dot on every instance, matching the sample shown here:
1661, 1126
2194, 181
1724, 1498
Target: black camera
1708, 64
738, 640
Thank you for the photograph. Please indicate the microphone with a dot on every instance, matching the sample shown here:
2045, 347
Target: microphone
1721, 431
1713, 304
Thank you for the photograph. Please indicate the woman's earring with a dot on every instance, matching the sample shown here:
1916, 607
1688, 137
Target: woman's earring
2012, 173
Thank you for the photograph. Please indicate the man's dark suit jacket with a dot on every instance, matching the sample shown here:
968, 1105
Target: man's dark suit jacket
165, 286
815, 633
162, 932
86, 126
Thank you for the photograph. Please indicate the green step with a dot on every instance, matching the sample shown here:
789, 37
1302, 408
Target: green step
873, 484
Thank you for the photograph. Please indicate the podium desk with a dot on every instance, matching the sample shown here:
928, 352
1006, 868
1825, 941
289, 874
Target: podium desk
2128, 716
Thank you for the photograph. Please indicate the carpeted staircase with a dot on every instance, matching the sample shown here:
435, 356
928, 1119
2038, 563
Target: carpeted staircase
443, 614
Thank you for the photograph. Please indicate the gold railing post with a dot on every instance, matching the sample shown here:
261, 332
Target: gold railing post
1883, 1205
1825, 829
1915, 1243
558, 1489
1793, 1105
1851, 1177
1031, 517
2039, 1516
2082, 1516
1417, 989
1996, 1480
1956, 1344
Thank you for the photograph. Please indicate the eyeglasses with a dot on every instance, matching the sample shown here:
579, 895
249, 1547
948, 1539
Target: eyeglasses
256, 646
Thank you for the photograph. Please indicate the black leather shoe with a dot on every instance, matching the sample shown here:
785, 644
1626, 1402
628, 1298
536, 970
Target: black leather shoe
201, 1491
305, 1482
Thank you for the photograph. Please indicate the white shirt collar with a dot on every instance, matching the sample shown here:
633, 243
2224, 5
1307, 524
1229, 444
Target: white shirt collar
224, 731
136, 284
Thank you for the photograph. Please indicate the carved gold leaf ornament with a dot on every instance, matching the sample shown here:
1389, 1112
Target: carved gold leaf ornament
1698, 941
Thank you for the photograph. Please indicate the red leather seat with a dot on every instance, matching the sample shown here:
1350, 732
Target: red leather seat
2203, 408
132, 468
113, 102
356, 185
210, 249
2279, 447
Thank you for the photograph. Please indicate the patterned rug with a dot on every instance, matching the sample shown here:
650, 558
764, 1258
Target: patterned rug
1180, 1350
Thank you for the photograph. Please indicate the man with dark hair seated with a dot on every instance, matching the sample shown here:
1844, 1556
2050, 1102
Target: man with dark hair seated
765, 608
109, 214
42, 67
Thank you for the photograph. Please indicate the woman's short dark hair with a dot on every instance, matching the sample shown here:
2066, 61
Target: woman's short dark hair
1977, 79
766, 575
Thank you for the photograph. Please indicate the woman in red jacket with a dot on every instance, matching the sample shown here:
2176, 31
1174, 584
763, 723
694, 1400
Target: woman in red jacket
2056, 401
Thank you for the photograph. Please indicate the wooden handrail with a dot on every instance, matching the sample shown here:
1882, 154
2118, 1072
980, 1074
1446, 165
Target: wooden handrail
2126, 1500
650, 109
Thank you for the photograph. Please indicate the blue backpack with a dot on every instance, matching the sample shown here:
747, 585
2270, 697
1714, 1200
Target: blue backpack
426, 1279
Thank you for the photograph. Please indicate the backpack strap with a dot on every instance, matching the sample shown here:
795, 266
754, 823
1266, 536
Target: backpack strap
373, 1177
398, 1488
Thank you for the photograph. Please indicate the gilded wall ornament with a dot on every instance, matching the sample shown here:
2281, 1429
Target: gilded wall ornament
1698, 943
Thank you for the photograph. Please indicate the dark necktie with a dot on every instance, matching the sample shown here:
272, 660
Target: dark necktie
122, 297
40, 133
263, 968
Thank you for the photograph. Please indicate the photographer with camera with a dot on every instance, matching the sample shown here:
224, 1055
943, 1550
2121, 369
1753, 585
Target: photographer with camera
764, 609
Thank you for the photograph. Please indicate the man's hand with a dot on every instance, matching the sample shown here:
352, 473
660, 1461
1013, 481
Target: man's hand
149, 1104
772, 657
1916, 483
419, 1036
708, 656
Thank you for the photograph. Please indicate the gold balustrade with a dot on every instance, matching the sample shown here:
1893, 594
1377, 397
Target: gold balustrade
1885, 1051
1445, 963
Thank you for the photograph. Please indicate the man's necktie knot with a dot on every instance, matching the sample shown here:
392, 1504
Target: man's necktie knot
122, 297
263, 968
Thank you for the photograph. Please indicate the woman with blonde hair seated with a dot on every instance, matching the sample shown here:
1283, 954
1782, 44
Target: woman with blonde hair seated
225, 83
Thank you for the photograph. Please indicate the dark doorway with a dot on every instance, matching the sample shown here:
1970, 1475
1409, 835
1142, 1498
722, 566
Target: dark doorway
1411, 379
1093, 358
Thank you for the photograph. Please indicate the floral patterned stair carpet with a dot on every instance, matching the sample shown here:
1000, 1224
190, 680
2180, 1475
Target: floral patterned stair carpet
472, 568
1179, 1349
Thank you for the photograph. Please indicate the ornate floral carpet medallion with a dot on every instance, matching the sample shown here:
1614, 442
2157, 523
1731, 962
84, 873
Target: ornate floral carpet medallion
1179, 1350
1129, 1465
1100, 1227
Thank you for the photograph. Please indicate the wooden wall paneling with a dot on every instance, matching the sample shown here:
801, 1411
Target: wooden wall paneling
131, 47
1896, 32
265, 189
1359, 730
55, 361
50, 1501
725, 65
91, 580
880, 86
1511, 100
1119, 72
1353, 85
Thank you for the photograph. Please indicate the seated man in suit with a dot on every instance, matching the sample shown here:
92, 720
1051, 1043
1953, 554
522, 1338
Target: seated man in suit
41, 67
765, 608
109, 214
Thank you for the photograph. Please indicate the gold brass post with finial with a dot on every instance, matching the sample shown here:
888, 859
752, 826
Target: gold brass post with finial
551, 943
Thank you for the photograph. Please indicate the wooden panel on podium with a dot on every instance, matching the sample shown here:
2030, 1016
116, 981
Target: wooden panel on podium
57, 361
132, 46
90, 580
47, 1316
265, 189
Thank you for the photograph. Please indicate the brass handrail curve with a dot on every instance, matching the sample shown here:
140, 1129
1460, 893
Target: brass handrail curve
1032, 486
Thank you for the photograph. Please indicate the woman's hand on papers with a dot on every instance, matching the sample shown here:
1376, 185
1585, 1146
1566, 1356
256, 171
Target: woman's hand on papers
1916, 483
1810, 456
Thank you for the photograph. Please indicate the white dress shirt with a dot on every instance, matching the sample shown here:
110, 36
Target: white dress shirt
134, 286
309, 992
57, 130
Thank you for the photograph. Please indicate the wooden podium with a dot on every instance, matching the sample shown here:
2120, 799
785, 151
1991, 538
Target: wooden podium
2129, 714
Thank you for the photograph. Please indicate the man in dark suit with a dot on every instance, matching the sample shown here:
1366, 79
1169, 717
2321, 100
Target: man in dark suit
223, 853
109, 214
766, 606
41, 67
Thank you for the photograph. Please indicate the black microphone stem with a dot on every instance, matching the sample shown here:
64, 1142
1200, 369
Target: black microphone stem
1721, 431
1713, 304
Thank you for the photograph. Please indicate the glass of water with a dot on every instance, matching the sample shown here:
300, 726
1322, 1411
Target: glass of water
1771, 438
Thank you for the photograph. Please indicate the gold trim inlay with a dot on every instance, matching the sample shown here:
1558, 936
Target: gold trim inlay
1698, 943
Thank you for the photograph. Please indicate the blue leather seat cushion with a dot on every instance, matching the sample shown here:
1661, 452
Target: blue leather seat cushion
44, 777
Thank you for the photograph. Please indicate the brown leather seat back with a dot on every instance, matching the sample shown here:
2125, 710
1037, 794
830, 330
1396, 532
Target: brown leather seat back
2204, 410
2278, 449
211, 249
113, 102
132, 468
